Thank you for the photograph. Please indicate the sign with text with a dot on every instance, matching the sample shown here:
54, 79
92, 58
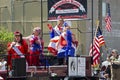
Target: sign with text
68, 9
77, 66
81, 66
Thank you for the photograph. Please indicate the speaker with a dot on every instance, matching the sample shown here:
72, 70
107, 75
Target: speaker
19, 67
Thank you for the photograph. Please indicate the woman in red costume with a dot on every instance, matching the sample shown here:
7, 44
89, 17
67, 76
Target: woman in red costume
17, 49
35, 47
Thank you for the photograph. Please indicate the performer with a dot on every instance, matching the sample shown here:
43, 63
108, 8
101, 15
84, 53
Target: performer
67, 44
17, 49
36, 46
54, 35
62, 41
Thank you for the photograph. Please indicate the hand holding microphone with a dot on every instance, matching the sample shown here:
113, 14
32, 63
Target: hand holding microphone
13, 44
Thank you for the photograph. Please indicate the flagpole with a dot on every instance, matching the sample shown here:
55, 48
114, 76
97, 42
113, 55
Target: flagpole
94, 36
108, 20
92, 27
96, 27
100, 22
99, 25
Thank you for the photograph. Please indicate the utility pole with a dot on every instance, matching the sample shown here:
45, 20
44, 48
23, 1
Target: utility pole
100, 13
100, 24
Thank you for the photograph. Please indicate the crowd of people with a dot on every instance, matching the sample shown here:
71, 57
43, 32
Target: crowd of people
112, 59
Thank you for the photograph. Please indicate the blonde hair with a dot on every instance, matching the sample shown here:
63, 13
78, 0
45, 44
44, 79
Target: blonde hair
36, 29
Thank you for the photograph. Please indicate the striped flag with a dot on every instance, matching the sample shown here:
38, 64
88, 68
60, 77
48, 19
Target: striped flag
97, 43
108, 25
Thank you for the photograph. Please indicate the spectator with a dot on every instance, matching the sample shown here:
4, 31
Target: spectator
114, 59
3, 64
104, 66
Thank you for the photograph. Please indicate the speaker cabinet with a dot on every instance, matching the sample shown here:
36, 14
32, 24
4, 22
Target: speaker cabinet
88, 65
19, 67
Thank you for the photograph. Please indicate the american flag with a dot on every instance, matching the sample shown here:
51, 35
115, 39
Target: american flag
108, 25
97, 43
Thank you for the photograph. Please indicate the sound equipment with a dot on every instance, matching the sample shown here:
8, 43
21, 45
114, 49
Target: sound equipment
19, 67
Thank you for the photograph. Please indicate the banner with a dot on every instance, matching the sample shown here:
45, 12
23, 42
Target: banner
68, 9
77, 66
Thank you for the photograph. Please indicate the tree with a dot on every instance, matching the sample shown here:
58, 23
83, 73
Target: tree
5, 37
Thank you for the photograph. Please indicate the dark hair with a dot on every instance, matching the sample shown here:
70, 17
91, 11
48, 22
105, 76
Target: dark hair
20, 39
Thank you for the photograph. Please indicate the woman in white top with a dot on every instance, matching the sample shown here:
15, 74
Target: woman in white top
3, 64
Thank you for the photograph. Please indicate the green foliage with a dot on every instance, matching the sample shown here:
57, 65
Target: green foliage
5, 37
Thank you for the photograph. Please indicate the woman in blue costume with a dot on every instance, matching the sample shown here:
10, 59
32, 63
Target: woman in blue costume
65, 45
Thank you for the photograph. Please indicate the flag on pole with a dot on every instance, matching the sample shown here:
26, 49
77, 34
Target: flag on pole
95, 47
108, 25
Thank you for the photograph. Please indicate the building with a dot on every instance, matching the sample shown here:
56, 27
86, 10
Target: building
23, 15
